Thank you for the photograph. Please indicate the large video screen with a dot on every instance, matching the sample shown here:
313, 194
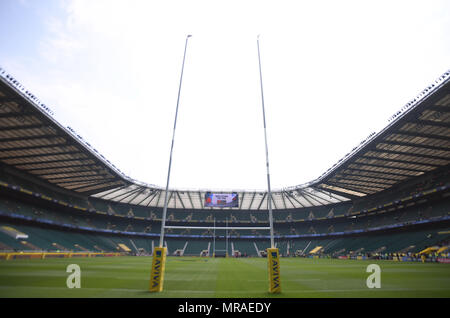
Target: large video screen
229, 200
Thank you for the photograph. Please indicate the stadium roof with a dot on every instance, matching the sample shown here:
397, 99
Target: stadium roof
32, 141
416, 141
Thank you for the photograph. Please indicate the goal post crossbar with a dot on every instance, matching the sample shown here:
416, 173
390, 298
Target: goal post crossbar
215, 227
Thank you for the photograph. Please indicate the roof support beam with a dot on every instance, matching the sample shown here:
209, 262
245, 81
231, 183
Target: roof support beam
318, 198
273, 201
289, 199
345, 186
42, 155
74, 177
104, 186
57, 167
380, 172
174, 194
431, 123
251, 202
82, 185
295, 199
201, 200
60, 144
422, 135
22, 115
439, 108
330, 194
402, 161
91, 184
154, 196
113, 190
71, 172
181, 201
418, 155
409, 144
190, 199
151, 192
138, 190
242, 200
7, 99
52, 161
301, 192
347, 195
109, 187
284, 200
26, 138
139, 193
121, 194
386, 167
357, 183
354, 178
170, 197
34, 126
159, 197
77, 180
262, 200
355, 187
367, 176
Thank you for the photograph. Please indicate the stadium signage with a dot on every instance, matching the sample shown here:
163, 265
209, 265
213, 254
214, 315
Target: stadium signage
157, 272
221, 200
274, 270
276, 274
444, 260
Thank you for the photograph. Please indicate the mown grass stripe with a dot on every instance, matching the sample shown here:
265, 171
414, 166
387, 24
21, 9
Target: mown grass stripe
197, 277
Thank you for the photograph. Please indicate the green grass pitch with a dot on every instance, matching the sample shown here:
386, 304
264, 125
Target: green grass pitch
187, 277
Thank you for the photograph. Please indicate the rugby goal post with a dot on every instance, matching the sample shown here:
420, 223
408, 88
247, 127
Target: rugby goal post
159, 257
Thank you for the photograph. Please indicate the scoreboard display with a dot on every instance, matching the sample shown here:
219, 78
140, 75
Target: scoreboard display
221, 200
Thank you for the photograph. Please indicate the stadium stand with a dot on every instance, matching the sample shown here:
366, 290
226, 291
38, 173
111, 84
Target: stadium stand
388, 196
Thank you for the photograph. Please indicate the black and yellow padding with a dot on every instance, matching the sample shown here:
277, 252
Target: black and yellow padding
273, 258
157, 273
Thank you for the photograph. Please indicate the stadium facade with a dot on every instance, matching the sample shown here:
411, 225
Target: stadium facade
388, 196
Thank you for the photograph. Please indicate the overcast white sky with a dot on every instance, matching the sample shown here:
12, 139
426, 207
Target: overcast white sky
333, 71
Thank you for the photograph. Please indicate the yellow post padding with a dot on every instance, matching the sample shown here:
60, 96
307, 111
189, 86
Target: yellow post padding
274, 270
157, 273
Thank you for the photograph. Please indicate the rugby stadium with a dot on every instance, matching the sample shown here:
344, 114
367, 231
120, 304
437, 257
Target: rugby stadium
386, 203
